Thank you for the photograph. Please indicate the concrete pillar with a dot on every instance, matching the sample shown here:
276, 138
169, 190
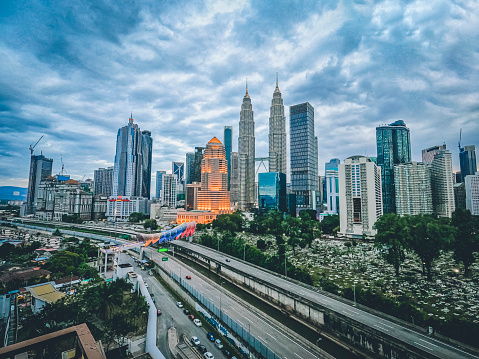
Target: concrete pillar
106, 262
142, 252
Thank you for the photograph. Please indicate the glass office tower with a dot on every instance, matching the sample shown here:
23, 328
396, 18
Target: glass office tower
467, 159
272, 191
394, 147
228, 142
303, 149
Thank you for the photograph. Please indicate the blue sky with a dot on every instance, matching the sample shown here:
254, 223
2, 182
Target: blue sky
74, 70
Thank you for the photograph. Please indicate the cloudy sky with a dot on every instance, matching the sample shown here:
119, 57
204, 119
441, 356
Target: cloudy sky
74, 70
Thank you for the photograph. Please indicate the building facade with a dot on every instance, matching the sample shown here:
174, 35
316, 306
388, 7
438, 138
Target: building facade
277, 133
246, 153
159, 183
132, 170
472, 193
214, 195
331, 184
168, 191
190, 167
196, 174
119, 208
103, 181
442, 184
429, 153
40, 169
360, 197
178, 170
228, 142
272, 191
191, 198
303, 148
394, 147
234, 180
467, 160
460, 195
412, 183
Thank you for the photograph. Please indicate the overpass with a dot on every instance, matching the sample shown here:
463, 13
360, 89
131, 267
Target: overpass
361, 327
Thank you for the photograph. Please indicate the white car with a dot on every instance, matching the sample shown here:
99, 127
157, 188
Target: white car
218, 344
179, 304
195, 341
197, 322
208, 355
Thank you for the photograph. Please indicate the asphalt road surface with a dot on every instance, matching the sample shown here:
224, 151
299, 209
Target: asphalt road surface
420, 341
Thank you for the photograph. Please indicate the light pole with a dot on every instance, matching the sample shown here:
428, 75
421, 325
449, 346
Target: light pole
354, 291
218, 244
244, 248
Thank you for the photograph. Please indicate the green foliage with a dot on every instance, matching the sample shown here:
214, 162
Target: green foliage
229, 222
261, 244
75, 218
19, 254
466, 238
150, 223
136, 217
57, 233
64, 263
329, 223
391, 239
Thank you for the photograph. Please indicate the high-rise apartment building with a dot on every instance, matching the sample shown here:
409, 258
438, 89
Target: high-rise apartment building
40, 169
214, 195
190, 167
332, 186
272, 191
412, 183
228, 142
429, 153
303, 148
442, 184
394, 147
159, 183
168, 190
467, 160
234, 180
246, 152
360, 197
277, 133
472, 193
132, 170
103, 181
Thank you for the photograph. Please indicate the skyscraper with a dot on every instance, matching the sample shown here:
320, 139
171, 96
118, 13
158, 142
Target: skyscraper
472, 193
132, 170
412, 183
168, 190
272, 191
246, 152
228, 141
178, 169
303, 152
234, 180
428, 153
196, 174
277, 133
190, 167
442, 184
467, 160
40, 169
360, 198
103, 181
159, 183
214, 195
394, 147
332, 186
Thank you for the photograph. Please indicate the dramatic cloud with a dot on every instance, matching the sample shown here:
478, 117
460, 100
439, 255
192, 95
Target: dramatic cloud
74, 71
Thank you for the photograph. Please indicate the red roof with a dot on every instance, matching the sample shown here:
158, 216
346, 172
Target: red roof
215, 140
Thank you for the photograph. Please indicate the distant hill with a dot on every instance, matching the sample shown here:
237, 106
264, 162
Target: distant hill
13, 193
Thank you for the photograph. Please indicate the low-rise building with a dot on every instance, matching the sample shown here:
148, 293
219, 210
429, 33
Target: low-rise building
119, 208
43, 294
203, 217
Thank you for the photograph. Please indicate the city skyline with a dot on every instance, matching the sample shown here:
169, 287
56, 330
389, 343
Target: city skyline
83, 70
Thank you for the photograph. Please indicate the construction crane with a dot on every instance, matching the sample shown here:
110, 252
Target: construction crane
32, 147
460, 137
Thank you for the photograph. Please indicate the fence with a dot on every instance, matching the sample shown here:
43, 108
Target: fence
235, 327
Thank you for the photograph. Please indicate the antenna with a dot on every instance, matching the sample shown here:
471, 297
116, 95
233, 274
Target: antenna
63, 166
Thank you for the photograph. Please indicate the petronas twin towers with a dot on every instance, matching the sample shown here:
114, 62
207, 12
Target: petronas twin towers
246, 145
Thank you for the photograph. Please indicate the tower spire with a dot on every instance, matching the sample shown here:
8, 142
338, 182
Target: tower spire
246, 85
276, 79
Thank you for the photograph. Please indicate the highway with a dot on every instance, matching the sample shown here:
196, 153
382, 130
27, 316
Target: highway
271, 333
420, 341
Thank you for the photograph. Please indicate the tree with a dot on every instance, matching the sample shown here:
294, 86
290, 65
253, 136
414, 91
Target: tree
63, 263
329, 223
391, 239
467, 241
57, 233
150, 223
428, 236
136, 217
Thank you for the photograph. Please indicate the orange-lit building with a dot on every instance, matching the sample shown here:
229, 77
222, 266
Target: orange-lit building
203, 217
214, 195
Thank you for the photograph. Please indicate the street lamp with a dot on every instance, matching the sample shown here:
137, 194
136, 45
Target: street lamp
244, 248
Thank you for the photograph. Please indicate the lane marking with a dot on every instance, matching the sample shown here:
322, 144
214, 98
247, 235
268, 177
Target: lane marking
299, 356
271, 336
249, 320
377, 326
425, 341
424, 346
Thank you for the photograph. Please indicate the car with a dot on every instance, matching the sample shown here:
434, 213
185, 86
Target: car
201, 348
191, 317
208, 355
188, 277
179, 304
186, 311
226, 353
195, 341
210, 337
146, 285
153, 299
228, 260
197, 322
158, 312
218, 344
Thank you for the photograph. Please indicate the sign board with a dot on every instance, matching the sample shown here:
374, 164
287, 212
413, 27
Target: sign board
164, 259
163, 250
